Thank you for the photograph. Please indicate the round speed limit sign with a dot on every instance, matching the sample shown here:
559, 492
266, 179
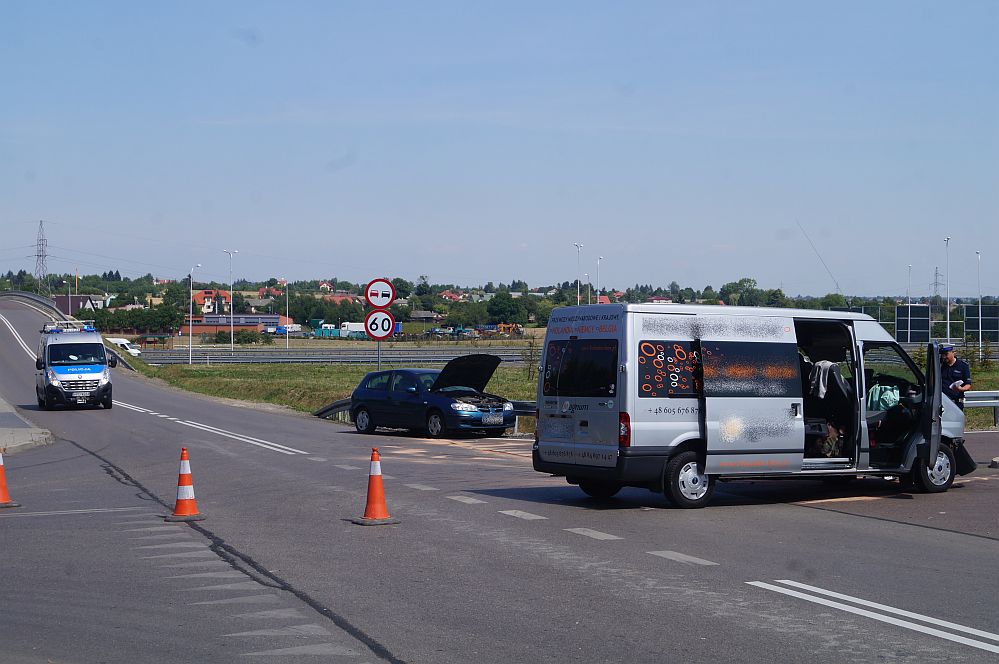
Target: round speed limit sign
379, 324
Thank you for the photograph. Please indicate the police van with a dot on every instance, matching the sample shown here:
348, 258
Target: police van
674, 398
72, 366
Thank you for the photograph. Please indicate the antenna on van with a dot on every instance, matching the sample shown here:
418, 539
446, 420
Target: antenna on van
822, 260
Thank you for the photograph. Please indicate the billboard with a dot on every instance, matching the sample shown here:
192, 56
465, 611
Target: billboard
912, 323
989, 322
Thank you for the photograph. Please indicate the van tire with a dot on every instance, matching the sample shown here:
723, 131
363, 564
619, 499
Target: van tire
684, 482
938, 477
107, 403
599, 490
363, 422
41, 401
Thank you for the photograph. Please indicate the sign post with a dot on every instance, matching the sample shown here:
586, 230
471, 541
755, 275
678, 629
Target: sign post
379, 323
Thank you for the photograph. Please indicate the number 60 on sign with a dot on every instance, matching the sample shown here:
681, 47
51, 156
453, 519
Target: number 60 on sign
379, 324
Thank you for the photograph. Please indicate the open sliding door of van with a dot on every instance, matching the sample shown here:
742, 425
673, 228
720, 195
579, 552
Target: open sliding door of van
753, 409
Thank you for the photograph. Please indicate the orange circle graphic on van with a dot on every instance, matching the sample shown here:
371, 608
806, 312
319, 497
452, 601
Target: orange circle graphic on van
681, 354
657, 363
650, 351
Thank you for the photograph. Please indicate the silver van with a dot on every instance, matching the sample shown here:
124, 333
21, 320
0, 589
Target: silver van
72, 367
674, 398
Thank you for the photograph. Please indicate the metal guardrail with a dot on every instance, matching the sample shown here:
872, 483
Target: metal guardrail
984, 399
394, 356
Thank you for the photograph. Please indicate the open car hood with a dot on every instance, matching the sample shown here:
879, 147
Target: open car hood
472, 371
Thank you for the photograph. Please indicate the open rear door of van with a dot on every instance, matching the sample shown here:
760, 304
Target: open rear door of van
933, 406
753, 408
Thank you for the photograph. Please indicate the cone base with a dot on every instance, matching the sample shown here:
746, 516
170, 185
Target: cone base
361, 521
189, 517
10, 503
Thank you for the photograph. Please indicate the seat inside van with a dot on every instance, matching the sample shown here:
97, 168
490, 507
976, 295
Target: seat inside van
829, 388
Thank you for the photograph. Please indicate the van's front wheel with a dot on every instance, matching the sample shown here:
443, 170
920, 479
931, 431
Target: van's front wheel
938, 476
684, 482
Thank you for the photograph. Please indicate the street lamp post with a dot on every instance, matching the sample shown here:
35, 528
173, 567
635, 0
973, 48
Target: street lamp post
981, 356
579, 248
947, 279
908, 289
190, 320
287, 291
587, 275
232, 302
599, 258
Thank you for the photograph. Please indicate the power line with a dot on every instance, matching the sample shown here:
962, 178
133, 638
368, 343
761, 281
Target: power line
41, 255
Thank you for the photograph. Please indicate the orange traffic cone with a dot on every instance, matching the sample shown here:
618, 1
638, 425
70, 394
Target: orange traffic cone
375, 512
186, 509
5, 500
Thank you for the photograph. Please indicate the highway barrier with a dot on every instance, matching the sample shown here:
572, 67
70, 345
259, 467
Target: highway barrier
984, 399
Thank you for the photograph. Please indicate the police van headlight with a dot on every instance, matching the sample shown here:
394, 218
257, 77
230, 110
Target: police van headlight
508, 406
53, 378
106, 376
464, 407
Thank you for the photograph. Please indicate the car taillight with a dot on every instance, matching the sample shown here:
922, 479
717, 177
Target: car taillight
624, 430
537, 423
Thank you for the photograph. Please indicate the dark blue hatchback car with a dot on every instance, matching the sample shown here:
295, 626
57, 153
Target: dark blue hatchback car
436, 401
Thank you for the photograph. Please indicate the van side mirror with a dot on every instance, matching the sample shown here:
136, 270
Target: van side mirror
40, 363
411, 389
113, 361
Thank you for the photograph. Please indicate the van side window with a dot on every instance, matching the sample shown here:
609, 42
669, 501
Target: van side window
741, 369
668, 369
581, 368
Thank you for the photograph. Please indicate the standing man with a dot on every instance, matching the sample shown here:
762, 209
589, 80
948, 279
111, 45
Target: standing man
955, 375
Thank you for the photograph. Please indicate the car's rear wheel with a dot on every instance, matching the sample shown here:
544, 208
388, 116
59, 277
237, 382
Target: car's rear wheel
435, 424
363, 422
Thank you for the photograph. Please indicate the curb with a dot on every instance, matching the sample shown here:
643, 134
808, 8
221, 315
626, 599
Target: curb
17, 440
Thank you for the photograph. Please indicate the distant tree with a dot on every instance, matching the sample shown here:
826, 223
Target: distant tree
503, 308
423, 286
403, 288
543, 312
177, 296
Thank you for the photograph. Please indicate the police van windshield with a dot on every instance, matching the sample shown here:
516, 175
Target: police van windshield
82, 353
580, 368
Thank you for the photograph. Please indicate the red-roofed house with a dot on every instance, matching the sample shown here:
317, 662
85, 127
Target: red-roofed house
325, 286
269, 291
206, 300
603, 299
339, 299
452, 296
660, 299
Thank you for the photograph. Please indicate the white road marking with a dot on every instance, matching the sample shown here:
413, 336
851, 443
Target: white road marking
319, 649
63, 512
149, 412
166, 416
388, 477
422, 487
878, 616
312, 458
148, 529
174, 545
245, 585
18, 339
231, 574
891, 609
595, 534
272, 614
184, 554
681, 558
346, 467
291, 630
274, 447
177, 533
245, 599
527, 516
468, 500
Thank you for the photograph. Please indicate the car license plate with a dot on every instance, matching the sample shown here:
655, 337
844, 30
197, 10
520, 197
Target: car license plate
492, 418
81, 395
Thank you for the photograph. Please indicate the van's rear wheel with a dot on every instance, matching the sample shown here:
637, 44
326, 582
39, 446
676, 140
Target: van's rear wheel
684, 481
601, 490
938, 476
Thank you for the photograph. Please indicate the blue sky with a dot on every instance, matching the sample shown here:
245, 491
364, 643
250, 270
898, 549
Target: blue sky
475, 142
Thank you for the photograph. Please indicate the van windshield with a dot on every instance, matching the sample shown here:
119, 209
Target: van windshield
64, 354
580, 368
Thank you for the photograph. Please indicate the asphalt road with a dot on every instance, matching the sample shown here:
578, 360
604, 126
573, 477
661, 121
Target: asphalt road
490, 562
